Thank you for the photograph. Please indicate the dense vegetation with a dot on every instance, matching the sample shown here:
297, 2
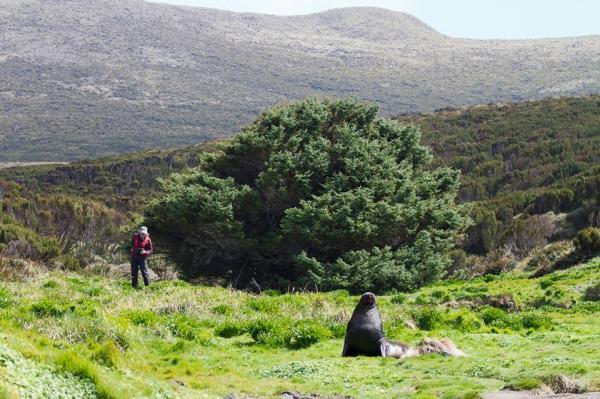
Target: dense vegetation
507, 148
58, 228
86, 336
518, 162
125, 182
321, 193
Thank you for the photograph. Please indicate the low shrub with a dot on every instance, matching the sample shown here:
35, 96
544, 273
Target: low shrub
263, 304
142, 317
288, 334
106, 354
592, 293
222, 309
524, 384
267, 332
5, 298
73, 363
398, 298
188, 328
545, 257
428, 317
588, 240
535, 321
495, 317
306, 333
230, 328
50, 307
545, 283
466, 321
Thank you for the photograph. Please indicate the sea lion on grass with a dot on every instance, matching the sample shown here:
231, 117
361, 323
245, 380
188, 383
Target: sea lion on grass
364, 336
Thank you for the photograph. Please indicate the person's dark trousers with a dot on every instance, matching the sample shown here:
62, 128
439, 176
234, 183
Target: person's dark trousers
139, 263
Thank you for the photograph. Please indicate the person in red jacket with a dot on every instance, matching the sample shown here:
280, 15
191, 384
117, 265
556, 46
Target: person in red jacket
142, 248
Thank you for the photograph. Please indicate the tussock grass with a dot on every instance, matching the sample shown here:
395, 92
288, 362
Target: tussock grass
180, 340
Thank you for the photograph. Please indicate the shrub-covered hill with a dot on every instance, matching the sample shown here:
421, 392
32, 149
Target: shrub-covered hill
500, 149
90, 336
506, 148
125, 182
516, 159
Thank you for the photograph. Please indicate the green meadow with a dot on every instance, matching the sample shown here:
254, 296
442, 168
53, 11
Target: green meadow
71, 335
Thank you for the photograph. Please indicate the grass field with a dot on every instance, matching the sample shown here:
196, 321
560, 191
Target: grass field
68, 335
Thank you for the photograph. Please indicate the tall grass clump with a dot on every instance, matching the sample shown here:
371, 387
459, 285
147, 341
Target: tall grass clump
71, 362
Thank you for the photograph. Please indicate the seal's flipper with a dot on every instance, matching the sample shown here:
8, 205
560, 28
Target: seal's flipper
383, 347
346, 350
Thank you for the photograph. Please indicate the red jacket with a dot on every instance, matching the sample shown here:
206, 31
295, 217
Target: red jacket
138, 245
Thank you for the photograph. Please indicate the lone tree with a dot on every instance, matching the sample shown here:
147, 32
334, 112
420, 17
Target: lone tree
319, 193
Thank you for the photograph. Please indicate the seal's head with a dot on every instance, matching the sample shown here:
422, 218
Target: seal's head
367, 299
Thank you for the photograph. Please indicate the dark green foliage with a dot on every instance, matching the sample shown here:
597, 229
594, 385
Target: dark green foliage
318, 193
512, 147
50, 307
231, 328
429, 317
524, 384
531, 157
287, 334
592, 293
588, 240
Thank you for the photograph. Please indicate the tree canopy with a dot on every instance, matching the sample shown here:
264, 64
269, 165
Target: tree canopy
316, 193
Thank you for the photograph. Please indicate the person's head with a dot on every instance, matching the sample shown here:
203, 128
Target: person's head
143, 231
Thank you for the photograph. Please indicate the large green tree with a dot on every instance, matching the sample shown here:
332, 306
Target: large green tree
321, 193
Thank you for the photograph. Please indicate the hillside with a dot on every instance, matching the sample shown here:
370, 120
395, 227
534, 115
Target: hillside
81, 79
511, 147
91, 336
501, 150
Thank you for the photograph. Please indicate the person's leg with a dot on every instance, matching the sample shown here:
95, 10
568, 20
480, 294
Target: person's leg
144, 268
134, 271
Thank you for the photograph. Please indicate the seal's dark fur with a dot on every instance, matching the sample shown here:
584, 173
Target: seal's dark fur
365, 329
364, 336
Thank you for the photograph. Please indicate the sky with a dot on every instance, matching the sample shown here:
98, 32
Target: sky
477, 19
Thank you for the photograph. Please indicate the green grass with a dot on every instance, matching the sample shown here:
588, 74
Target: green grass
176, 340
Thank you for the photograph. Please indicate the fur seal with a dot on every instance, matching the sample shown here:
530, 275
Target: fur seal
364, 336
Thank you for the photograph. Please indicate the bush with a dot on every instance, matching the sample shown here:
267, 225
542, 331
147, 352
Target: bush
528, 233
142, 317
288, 334
592, 293
588, 240
546, 257
466, 321
429, 317
230, 328
50, 307
83, 368
524, 384
21, 242
307, 333
319, 193
494, 317
185, 327
398, 299
536, 321
106, 354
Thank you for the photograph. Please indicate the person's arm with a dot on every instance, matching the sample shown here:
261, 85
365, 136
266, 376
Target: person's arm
150, 247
